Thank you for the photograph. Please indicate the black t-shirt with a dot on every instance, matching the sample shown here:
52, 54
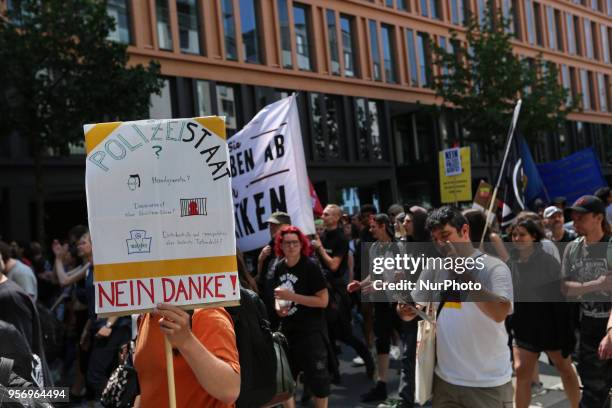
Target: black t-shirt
17, 308
304, 278
335, 244
585, 265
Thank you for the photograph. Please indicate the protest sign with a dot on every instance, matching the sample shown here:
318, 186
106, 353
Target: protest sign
160, 214
455, 175
269, 174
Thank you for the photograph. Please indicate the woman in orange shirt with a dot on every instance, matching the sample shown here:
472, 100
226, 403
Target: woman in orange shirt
206, 367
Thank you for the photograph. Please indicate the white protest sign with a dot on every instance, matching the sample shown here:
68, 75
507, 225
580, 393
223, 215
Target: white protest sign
160, 214
269, 173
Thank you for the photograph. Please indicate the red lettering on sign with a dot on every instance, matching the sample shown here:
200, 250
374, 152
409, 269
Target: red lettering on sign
149, 291
183, 291
167, 285
218, 285
195, 287
118, 292
207, 281
101, 293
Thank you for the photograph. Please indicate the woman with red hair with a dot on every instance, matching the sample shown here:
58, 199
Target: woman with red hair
301, 299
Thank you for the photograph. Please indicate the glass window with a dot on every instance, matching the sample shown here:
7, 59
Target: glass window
118, 9
565, 79
481, 12
405, 5
332, 120
507, 13
389, 3
164, 35
434, 9
375, 50
539, 30
588, 37
188, 22
595, 5
456, 10
377, 152
362, 125
609, 7
579, 34
571, 38
603, 94
412, 58
285, 33
605, 45
318, 137
552, 28
204, 104
389, 53
302, 36
586, 96
424, 12
530, 21
369, 134
229, 29
161, 105
226, 106
250, 34
423, 49
333, 42
348, 48
559, 25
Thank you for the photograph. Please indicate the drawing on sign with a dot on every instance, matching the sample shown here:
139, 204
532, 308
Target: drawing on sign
138, 243
133, 182
193, 206
452, 161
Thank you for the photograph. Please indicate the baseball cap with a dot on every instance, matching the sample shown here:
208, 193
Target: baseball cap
550, 211
589, 204
279, 217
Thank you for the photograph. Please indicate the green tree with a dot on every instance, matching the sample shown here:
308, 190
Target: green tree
59, 71
483, 78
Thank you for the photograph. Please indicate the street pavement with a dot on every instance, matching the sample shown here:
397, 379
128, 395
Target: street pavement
354, 383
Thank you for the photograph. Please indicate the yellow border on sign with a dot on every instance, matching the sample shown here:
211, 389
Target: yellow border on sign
213, 123
160, 269
98, 133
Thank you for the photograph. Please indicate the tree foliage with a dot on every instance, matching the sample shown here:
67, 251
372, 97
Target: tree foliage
59, 71
484, 78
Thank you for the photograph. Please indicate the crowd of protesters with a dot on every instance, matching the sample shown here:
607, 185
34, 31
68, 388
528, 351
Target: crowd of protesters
315, 290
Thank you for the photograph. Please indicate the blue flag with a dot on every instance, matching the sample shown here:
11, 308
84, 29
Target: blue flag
573, 176
534, 186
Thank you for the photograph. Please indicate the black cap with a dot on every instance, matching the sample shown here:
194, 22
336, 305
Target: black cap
589, 204
559, 200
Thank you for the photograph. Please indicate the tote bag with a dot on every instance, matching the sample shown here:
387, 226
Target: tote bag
425, 357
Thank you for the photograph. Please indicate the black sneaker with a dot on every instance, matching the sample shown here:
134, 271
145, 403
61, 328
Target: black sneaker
378, 393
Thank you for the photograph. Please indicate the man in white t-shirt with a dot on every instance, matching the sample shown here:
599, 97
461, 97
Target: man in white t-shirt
473, 368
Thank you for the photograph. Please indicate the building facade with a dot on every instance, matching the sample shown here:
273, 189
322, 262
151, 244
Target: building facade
362, 69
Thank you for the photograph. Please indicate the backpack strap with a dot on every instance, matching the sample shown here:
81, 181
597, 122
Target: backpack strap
6, 367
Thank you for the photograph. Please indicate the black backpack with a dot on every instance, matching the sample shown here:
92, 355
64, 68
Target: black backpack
52, 331
256, 351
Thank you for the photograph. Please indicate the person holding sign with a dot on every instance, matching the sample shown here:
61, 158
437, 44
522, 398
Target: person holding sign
206, 365
301, 299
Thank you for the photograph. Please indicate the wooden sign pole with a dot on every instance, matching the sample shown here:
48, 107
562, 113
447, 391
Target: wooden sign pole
170, 373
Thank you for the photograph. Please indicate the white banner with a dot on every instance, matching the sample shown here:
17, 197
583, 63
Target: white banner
269, 173
160, 214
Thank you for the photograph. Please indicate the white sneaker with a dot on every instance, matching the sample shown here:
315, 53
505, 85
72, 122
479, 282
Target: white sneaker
395, 353
358, 361
537, 389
